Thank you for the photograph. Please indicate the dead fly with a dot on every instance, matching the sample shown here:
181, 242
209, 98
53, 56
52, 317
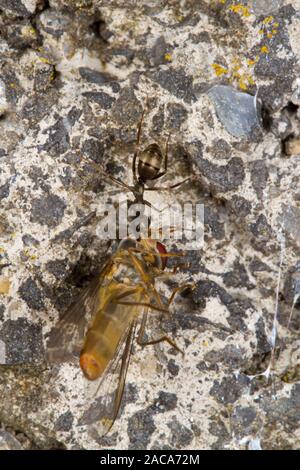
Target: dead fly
121, 295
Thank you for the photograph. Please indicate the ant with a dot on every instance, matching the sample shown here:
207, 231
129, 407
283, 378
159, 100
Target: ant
146, 166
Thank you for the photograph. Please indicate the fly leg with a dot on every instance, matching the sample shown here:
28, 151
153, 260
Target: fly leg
154, 341
144, 276
142, 304
138, 290
179, 289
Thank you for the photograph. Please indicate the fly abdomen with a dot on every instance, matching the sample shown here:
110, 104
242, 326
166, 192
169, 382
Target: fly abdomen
100, 345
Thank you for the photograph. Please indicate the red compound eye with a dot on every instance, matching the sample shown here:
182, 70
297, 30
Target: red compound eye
162, 250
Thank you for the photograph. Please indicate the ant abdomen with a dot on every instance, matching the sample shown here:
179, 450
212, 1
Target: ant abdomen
149, 162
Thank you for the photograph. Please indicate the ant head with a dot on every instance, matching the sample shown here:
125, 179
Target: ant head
149, 162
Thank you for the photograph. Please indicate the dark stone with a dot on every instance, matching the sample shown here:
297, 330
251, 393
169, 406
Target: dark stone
231, 356
23, 341
166, 402
74, 115
236, 307
262, 232
272, 96
200, 38
270, 66
220, 149
35, 107
58, 138
2, 310
217, 428
13, 89
173, 368
2, 152
58, 268
211, 218
94, 150
15, 37
238, 277
176, 82
39, 179
130, 395
47, 210
123, 52
55, 23
285, 411
176, 115
44, 75
103, 99
230, 389
181, 436
140, 429
68, 178
93, 76
243, 417
64, 422
259, 176
158, 52
127, 109
29, 240
203, 366
221, 177
257, 265
291, 287
240, 206
4, 189
263, 343
16, 7
31, 294
282, 128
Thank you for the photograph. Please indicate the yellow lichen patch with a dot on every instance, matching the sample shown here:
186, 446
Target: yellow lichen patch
28, 255
269, 27
242, 85
219, 69
29, 31
268, 20
45, 60
241, 9
4, 285
168, 57
264, 50
252, 62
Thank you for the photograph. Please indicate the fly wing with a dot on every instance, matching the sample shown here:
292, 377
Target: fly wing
66, 339
107, 396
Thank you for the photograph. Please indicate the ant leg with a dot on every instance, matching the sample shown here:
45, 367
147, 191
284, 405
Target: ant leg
112, 178
168, 188
154, 341
137, 145
147, 203
116, 181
